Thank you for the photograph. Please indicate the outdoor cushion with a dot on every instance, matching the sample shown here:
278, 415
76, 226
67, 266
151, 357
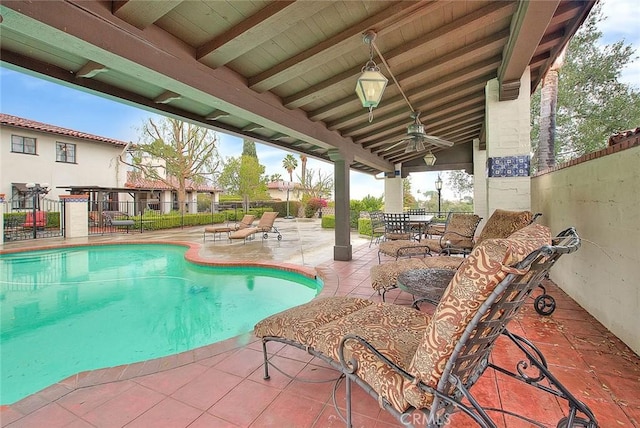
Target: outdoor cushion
401, 248
486, 266
503, 223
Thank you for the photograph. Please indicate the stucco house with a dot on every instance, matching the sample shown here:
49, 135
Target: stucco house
71, 161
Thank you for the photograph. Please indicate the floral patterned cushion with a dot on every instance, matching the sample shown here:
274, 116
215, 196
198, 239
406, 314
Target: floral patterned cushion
385, 275
474, 281
394, 331
460, 230
299, 322
503, 223
401, 248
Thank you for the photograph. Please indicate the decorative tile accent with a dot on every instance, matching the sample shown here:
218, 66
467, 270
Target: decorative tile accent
510, 166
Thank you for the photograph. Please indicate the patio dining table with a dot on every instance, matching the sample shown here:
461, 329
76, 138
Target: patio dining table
421, 222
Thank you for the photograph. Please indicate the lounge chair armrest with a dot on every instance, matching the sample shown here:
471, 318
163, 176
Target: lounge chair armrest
352, 365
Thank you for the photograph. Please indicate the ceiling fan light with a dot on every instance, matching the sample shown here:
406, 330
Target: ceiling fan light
420, 146
430, 159
370, 86
411, 147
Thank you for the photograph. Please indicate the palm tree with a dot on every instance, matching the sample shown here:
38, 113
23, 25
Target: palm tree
303, 176
548, 100
289, 163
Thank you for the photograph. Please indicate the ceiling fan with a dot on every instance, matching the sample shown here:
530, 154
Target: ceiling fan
416, 137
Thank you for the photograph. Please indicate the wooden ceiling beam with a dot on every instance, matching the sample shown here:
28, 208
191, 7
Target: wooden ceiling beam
142, 14
331, 48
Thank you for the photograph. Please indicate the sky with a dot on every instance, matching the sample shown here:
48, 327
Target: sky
54, 104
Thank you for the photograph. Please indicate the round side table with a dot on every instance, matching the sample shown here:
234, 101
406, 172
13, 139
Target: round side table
426, 285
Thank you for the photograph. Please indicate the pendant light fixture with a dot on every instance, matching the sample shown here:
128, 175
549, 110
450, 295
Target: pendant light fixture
430, 159
371, 83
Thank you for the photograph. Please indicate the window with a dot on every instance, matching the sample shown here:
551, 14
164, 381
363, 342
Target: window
65, 152
20, 144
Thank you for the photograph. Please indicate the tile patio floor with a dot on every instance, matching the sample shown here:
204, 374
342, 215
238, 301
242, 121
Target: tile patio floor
221, 385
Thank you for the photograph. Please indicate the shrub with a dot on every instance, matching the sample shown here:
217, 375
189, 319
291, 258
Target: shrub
364, 226
313, 205
328, 222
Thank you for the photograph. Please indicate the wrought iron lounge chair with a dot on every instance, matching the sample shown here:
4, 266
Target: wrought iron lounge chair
501, 224
247, 221
421, 367
265, 226
400, 238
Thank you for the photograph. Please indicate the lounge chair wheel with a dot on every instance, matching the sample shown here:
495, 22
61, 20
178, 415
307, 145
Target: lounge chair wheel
265, 236
544, 304
577, 423
279, 237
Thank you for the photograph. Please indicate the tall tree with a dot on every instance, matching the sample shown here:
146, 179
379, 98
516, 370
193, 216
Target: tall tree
242, 176
460, 183
290, 164
303, 175
249, 148
317, 187
174, 152
408, 200
548, 102
592, 103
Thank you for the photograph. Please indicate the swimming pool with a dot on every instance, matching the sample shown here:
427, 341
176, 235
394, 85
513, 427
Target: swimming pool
69, 310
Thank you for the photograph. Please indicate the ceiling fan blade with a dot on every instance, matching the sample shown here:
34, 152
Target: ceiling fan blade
394, 145
437, 141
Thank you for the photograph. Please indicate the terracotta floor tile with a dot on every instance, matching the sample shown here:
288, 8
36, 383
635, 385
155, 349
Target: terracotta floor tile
242, 362
123, 408
236, 408
50, 416
209, 421
84, 400
289, 411
527, 401
318, 389
276, 379
329, 419
169, 381
8, 414
626, 388
207, 388
168, 413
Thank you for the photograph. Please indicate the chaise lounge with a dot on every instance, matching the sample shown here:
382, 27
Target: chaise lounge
265, 226
501, 224
421, 367
218, 230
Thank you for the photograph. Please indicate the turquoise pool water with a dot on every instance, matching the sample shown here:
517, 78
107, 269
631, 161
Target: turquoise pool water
68, 310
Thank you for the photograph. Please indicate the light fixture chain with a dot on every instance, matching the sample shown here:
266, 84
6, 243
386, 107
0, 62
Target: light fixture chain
384, 61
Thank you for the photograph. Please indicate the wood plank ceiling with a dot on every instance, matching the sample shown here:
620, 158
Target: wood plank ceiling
284, 72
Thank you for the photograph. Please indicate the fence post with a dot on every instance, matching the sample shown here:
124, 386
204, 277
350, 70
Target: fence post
76, 215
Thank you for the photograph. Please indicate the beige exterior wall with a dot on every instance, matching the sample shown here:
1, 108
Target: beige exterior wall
97, 163
601, 199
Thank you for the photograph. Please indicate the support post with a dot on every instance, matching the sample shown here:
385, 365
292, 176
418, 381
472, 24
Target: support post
342, 249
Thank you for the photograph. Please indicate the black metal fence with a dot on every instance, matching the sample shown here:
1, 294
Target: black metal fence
30, 219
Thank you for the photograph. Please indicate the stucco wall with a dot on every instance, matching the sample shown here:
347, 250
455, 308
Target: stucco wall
97, 163
600, 196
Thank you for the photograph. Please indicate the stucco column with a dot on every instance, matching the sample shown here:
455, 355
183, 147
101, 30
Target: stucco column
479, 181
76, 215
508, 148
393, 195
342, 248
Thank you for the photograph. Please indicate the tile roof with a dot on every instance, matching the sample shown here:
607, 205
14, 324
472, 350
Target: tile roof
135, 181
623, 136
19, 122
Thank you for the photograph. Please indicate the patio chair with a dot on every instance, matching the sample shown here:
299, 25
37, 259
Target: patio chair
422, 367
377, 226
247, 221
265, 226
458, 235
400, 238
501, 224
117, 219
39, 221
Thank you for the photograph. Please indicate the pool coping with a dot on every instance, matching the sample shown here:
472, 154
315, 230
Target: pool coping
123, 372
